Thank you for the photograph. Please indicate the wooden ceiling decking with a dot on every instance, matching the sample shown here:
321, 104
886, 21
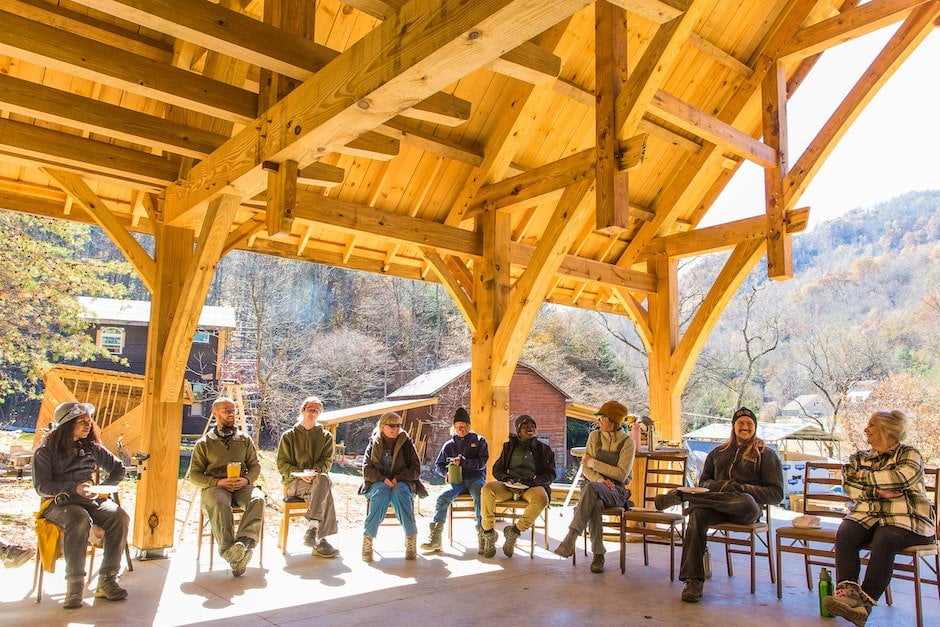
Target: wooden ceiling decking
131, 95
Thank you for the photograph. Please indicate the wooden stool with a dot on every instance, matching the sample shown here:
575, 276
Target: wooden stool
205, 531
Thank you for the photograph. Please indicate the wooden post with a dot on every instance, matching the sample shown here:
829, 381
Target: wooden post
161, 421
665, 404
774, 119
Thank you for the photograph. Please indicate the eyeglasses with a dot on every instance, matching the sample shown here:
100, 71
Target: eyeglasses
84, 421
393, 425
313, 409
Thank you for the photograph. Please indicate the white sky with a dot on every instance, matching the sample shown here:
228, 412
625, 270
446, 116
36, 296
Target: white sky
893, 147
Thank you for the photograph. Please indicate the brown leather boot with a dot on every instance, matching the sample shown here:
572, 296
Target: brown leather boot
74, 589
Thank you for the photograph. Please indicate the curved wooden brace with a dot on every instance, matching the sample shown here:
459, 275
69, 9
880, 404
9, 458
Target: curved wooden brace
452, 285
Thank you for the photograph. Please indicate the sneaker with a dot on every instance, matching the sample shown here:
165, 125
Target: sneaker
238, 567
15, 556
234, 553
325, 549
510, 535
692, 592
667, 500
310, 538
109, 589
848, 603
597, 564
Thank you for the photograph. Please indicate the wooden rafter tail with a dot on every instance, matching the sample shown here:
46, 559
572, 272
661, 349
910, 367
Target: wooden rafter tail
78, 190
909, 35
199, 273
742, 260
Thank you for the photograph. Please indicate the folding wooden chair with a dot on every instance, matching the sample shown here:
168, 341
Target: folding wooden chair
291, 507
513, 510
759, 531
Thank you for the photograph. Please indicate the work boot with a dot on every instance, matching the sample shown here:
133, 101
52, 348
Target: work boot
434, 542
15, 556
510, 535
597, 564
325, 549
692, 592
567, 546
109, 589
310, 538
481, 541
234, 553
667, 500
850, 602
366, 549
489, 543
239, 566
411, 547
74, 589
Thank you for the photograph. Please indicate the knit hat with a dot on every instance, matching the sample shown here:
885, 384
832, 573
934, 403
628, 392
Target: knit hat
66, 412
614, 410
524, 418
461, 415
743, 411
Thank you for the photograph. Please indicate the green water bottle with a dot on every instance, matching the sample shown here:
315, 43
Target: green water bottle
454, 473
825, 590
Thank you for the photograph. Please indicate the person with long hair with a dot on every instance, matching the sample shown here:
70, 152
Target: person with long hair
607, 467
741, 475
63, 469
304, 459
391, 474
889, 512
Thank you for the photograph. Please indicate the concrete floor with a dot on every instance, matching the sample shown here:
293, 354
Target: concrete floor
452, 587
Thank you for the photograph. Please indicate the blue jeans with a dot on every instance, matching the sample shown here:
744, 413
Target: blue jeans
471, 486
380, 496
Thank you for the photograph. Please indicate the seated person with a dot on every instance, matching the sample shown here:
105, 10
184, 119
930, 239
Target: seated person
391, 475
890, 513
469, 451
742, 476
308, 446
225, 444
529, 463
607, 467
63, 469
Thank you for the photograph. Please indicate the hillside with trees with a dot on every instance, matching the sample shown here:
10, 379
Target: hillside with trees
864, 305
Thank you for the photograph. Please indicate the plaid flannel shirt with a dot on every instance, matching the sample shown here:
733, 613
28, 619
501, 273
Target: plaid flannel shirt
900, 469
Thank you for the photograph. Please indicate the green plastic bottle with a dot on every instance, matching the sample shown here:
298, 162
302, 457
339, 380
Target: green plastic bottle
825, 590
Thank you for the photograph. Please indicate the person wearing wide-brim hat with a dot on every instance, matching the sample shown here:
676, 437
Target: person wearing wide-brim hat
608, 468
525, 470
742, 475
469, 452
63, 469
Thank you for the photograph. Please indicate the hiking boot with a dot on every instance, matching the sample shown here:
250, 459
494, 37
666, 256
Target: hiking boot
109, 589
74, 589
510, 535
667, 500
15, 556
481, 541
489, 543
366, 549
597, 564
567, 548
850, 602
239, 566
692, 592
325, 549
434, 542
411, 547
234, 553
310, 538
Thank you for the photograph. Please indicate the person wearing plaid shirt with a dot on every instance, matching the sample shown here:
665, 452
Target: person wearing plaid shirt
889, 512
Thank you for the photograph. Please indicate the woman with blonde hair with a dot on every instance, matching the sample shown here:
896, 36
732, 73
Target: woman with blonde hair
889, 512
391, 475
608, 467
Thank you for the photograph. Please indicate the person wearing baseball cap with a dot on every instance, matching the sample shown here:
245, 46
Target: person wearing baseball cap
63, 468
741, 475
525, 470
469, 451
608, 468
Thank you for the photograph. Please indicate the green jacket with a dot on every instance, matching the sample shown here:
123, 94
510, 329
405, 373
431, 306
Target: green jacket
301, 449
211, 455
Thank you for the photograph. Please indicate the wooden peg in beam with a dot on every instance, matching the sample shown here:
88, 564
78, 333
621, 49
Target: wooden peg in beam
282, 196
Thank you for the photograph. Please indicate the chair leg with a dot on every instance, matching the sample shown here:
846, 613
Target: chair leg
37, 578
91, 564
889, 598
918, 610
770, 558
646, 551
532, 542
127, 556
282, 531
779, 573
672, 552
450, 524
623, 546
728, 556
261, 543
806, 567
753, 564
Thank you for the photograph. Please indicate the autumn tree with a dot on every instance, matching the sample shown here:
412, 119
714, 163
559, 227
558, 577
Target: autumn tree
42, 269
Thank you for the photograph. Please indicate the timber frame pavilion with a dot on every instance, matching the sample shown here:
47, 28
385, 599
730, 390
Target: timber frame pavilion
515, 151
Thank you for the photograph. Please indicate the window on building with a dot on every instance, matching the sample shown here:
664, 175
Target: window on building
199, 397
201, 337
112, 339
